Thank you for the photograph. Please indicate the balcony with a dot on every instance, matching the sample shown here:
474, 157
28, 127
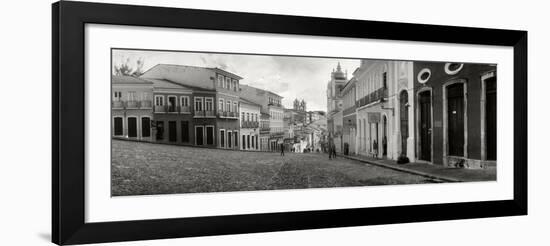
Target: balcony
209, 113
374, 96
146, 104
132, 104
172, 109
159, 109
118, 104
250, 124
185, 109
199, 113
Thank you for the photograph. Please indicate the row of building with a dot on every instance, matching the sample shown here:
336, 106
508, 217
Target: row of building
197, 106
434, 112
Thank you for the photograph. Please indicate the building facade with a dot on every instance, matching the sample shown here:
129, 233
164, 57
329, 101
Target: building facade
214, 104
455, 114
132, 108
271, 107
349, 117
335, 105
384, 109
250, 125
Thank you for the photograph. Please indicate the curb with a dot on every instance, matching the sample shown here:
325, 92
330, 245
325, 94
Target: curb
428, 175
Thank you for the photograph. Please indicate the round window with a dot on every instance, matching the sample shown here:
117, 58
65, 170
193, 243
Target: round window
453, 68
424, 75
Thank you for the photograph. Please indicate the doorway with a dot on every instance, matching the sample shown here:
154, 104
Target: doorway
455, 119
172, 134
132, 127
425, 131
199, 135
491, 118
404, 120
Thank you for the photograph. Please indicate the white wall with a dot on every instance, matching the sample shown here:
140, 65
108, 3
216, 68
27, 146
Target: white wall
25, 179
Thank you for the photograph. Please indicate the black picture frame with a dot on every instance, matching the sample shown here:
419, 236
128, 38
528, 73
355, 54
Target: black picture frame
68, 110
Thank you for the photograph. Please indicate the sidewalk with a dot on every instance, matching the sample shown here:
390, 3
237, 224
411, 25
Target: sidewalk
444, 174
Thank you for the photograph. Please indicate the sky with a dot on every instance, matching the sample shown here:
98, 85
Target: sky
290, 77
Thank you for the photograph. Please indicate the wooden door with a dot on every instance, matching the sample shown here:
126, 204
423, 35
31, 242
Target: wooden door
145, 127
199, 135
132, 127
491, 118
425, 126
172, 132
455, 119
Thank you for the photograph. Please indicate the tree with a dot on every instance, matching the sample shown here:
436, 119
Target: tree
125, 69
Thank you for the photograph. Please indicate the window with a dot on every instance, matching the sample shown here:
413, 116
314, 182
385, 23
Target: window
185, 131
227, 83
220, 107
198, 104
132, 96
385, 80
220, 80
184, 101
453, 68
424, 75
208, 104
235, 85
145, 96
222, 138
247, 117
242, 117
118, 95
119, 127
235, 107
145, 127
228, 106
172, 103
159, 100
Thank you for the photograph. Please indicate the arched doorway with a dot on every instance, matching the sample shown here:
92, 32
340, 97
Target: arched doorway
404, 120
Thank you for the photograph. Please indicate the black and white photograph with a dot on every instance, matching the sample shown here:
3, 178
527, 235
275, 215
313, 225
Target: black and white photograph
201, 122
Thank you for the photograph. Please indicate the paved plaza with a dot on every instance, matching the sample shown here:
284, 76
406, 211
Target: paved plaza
144, 168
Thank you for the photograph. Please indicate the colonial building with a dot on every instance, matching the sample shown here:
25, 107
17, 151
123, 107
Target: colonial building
335, 105
384, 109
271, 107
215, 100
132, 108
349, 117
250, 125
455, 114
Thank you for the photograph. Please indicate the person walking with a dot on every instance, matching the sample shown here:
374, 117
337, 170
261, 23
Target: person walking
333, 147
282, 150
375, 149
329, 151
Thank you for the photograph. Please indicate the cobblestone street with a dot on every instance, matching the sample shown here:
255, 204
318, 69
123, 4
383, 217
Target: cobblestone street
144, 168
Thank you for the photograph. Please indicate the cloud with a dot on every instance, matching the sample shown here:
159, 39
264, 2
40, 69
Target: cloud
291, 77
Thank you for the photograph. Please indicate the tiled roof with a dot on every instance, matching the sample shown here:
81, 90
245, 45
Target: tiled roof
120, 79
167, 84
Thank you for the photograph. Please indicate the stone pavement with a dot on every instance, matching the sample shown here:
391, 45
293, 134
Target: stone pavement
438, 172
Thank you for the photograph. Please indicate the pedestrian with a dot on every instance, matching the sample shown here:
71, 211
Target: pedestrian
333, 151
375, 149
329, 151
282, 150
